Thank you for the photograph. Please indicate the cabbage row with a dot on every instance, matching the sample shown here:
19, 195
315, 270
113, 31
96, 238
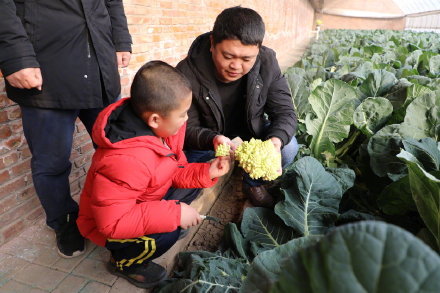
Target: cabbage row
359, 209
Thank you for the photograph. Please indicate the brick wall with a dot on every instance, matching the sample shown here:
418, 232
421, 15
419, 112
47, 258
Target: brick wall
161, 30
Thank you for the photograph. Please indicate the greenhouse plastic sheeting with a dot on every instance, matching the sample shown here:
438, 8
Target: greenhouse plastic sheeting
417, 6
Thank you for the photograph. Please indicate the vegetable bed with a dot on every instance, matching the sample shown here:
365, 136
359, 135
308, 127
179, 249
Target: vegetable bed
359, 209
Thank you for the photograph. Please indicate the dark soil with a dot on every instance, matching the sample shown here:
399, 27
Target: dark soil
228, 208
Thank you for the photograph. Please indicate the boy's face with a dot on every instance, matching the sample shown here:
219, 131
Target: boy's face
169, 125
232, 59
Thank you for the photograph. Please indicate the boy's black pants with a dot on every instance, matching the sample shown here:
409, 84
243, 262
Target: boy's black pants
136, 251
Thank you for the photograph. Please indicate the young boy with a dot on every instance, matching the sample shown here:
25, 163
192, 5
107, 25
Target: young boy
125, 203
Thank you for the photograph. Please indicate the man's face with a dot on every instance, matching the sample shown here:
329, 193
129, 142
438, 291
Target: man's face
232, 59
170, 124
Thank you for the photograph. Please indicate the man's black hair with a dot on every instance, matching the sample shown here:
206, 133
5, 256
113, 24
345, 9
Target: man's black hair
158, 87
239, 23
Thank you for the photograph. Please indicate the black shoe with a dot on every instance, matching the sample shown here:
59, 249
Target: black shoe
70, 242
258, 196
146, 275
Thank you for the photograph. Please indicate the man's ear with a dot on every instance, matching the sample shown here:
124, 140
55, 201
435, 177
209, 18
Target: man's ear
212, 43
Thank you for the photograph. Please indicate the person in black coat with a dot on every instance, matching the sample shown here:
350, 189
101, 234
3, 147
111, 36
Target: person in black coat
60, 62
238, 90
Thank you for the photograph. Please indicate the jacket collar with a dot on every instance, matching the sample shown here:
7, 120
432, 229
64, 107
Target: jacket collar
117, 127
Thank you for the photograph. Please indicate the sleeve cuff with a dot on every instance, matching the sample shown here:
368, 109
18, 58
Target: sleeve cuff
123, 47
280, 134
11, 66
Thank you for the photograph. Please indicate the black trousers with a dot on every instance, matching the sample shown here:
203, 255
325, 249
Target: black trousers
49, 134
129, 253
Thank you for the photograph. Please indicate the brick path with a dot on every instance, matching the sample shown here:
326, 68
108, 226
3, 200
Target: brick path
30, 263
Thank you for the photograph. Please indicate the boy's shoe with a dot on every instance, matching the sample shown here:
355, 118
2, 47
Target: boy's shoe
70, 242
258, 196
146, 275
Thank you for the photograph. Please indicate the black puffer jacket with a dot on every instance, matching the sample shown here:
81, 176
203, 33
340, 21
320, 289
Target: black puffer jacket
267, 92
74, 42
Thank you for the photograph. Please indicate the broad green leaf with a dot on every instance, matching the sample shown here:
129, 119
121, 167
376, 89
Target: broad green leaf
266, 267
383, 148
233, 239
396, 198
425, 151
373, 49
413, 59
434, 65
368, 256
424, 62
405, 72
378, 83
265, 229
204, 271
315, 84
420, 79
311, 198
372, 114
300, 94
344, 176
426, 236
425, 189
434, 84
422, 118
363, 70
398, 93
412, 92
333, 105
351, 216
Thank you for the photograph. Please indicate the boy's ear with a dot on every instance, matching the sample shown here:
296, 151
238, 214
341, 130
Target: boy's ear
152, 119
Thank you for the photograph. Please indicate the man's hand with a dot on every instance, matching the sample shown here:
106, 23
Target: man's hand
26, 78
221, 139
123, 58
188, 216
277, 144
219, 167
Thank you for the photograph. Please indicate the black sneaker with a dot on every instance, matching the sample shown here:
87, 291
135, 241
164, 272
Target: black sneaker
70, 242
146, 275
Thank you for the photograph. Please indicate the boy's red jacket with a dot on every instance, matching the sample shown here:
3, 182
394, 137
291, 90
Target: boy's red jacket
122, 195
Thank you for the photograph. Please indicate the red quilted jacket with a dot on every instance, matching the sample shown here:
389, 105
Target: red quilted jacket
122, 195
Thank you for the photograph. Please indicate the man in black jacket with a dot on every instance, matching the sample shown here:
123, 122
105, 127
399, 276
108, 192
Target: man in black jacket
238, 90
60, 62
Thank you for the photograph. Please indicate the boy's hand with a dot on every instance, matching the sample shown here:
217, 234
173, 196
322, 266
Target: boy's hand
188, 216
219, 167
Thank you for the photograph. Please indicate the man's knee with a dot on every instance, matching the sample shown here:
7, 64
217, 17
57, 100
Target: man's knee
289, 152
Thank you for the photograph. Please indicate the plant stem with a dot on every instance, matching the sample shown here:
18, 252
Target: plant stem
344, 149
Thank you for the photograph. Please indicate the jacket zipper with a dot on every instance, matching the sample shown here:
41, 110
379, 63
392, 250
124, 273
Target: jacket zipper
219, 109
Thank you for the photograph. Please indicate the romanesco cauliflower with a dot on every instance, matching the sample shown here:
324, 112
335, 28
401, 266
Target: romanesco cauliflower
222, 150
259, 159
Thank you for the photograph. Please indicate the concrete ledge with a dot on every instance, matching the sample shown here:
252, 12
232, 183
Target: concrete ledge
203, 204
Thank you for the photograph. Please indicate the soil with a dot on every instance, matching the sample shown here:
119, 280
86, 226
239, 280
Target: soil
228, 208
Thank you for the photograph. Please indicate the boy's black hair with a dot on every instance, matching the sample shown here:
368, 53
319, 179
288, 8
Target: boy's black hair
158, 87
239, 23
